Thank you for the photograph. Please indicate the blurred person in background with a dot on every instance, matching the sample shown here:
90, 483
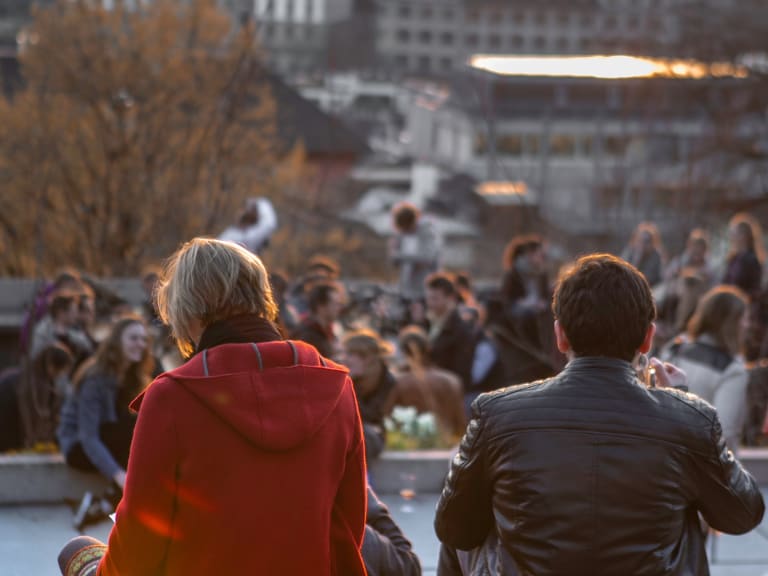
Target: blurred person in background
711, 356
40, 391
695, 257
255, 226
249, 458
326, 301
62, 324
364, 354
414, 249
451, 339
744, 263
645, 252
428, 388
288, 318
96, 425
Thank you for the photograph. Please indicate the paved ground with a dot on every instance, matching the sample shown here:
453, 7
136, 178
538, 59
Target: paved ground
30, 538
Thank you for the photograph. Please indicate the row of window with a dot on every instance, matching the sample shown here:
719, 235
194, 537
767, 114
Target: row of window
563, 145
494, 41
498, 17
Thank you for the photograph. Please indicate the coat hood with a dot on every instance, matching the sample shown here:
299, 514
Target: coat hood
278, 408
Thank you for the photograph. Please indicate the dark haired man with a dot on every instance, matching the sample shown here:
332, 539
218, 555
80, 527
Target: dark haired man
592, 471
325, 301
451, 339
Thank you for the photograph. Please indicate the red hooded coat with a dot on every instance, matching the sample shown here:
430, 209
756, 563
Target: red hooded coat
240, 470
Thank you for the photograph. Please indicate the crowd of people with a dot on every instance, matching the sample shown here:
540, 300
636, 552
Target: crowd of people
432, 344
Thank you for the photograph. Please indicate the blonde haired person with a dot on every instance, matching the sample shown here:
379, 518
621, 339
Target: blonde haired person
364, 353
249, 458
711, 357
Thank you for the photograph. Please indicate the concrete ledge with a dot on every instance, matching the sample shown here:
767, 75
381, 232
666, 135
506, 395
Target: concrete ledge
422, 471
43, 479
46, 479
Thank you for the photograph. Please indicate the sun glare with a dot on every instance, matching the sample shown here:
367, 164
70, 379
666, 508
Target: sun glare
608, 67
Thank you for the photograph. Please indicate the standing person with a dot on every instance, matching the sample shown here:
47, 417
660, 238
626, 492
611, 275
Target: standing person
364, 353
318, 329
525, 292
414, 249
592, 471
255, 227
744, 264
249, 458
451, 340
96, 425
645, 252
712, 358
695, 258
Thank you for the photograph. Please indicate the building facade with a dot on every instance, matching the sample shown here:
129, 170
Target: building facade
437, 37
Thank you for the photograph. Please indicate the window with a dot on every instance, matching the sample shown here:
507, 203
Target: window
404, 11
539, 43
424, 64
614, 145
518, 17
449, 14
532, 145
541, 18
562, 45
494, 41
446, 38
480, 146
472, 15
446, 64
426, 12
471, 40
403, 35
563, 17
517, 42
586, 145
401, 61
633, 22
610, 22
510, 145
585, 21
562, 145
425, 37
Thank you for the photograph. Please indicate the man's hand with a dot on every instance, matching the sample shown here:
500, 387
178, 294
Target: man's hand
668, 375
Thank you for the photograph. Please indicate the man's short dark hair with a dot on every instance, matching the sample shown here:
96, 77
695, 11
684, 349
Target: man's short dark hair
324, 265
320, 294
604, 306
443, 282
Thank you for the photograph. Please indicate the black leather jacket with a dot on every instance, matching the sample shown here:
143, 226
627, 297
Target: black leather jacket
590, 472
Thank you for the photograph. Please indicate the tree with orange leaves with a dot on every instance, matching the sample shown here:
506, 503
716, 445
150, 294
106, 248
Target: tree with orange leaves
136, 129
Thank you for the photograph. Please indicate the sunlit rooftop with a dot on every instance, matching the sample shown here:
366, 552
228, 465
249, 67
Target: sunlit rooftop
602, 66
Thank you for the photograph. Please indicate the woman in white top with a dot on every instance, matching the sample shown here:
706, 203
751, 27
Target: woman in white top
711, 357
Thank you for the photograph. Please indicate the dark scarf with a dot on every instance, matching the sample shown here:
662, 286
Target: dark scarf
238, 330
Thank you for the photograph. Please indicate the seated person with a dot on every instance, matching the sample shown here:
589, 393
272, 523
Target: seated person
96, 425
428, 388
364, 353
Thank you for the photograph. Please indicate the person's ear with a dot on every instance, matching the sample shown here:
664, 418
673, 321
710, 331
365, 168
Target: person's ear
647, 344
562, 340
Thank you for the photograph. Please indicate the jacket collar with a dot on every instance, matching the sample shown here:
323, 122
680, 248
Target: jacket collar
238, 330
601, 364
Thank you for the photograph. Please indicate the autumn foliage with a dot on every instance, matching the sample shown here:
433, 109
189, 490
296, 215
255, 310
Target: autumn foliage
134, 131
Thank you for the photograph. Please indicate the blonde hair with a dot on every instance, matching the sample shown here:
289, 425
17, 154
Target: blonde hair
208, 280
366, 343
